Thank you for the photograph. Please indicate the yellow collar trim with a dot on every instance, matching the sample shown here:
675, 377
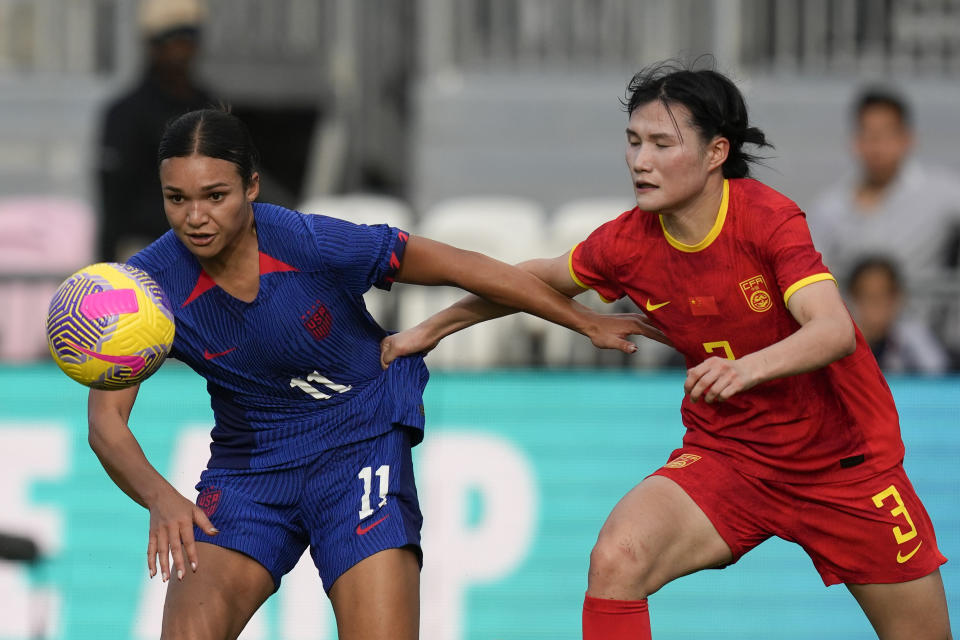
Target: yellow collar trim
714, 231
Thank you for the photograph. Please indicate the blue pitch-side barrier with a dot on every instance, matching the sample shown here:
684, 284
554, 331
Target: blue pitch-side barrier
516, 475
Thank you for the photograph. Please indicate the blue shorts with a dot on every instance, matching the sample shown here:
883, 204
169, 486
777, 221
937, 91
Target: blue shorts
346, 504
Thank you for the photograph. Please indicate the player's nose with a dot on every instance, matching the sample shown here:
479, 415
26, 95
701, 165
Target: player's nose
196, 214
639, 160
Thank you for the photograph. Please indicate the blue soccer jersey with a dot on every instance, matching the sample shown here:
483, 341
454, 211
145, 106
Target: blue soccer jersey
297, 370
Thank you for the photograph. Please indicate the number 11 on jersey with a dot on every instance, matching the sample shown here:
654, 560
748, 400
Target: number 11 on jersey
366, 474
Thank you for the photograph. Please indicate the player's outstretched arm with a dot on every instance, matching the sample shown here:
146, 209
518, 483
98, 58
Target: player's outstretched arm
541, 287
825, 335
172, 516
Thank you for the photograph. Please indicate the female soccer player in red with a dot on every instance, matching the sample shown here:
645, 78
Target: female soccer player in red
791, 430
311, 443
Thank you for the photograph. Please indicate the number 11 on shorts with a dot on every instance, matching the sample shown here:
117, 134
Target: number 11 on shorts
366, 474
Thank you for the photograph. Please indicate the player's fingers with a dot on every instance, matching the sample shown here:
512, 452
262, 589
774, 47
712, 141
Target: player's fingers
189, 546
713, 393
693, 376
152, 554
689, 382
736, 385
202, 521
728, 392
163, 552
649, 331
626, 346
176, 550
386, 357
720, 380
703, 384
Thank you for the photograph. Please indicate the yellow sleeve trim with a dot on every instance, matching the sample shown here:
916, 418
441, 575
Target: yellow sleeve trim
570, 267
576, 279
800, 284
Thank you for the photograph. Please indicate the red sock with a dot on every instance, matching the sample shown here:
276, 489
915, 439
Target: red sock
615, 619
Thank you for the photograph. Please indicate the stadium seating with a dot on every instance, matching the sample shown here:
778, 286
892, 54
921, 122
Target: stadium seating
509, 229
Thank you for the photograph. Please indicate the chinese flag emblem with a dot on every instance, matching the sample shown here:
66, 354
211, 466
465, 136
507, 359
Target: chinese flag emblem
755, 291
703, 306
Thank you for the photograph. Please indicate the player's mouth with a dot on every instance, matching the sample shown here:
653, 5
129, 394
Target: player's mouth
644, 187
201, 239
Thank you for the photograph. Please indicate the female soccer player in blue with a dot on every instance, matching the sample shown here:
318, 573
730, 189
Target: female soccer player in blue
311, 443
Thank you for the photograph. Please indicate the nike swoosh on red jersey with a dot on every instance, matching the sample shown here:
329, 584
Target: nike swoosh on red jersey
211, 356
136, 363
362, 530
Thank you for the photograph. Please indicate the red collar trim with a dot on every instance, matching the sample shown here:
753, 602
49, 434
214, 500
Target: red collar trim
268, 264
204, 284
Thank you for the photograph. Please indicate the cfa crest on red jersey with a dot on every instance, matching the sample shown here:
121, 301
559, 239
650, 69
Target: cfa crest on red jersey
755, 291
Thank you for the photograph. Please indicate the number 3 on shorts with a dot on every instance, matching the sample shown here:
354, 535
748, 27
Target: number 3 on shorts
366, 474
899, 510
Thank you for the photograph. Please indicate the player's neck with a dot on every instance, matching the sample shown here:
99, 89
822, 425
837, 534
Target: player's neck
236, 269
692, 221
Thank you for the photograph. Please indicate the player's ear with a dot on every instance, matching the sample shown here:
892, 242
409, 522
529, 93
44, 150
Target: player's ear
718, 150
253, 187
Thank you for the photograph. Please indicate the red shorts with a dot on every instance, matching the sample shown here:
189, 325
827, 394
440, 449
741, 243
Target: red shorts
869, 531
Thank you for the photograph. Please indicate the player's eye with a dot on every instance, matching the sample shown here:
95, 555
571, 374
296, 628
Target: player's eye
175, 198
662, 146
216, 196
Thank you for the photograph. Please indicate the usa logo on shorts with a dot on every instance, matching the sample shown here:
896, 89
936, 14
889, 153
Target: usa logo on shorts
208, 500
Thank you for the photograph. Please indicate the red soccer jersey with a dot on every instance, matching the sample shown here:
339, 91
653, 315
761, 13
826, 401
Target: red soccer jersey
727, 296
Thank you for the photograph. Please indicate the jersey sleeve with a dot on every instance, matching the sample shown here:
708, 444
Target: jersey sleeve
361, 256
590, 266
795, 260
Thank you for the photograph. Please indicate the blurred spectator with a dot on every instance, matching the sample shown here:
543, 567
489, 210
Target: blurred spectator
876, 302
130, 198
892, 206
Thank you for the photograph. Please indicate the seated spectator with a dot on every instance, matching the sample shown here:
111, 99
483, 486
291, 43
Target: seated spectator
891, 205
876, 301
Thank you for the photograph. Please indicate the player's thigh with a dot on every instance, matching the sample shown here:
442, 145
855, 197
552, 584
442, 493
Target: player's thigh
914, 610
217, 600
655, 534
379, 597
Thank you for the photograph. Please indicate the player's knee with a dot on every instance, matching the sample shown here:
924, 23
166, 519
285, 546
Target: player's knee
619, 567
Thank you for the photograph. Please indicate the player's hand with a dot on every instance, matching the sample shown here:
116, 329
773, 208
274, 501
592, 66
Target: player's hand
171, 534
718, 379
611, 331
408, 342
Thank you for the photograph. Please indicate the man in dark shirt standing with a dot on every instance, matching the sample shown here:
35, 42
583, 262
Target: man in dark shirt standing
131, 205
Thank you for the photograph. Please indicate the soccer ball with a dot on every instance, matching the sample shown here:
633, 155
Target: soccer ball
109, 326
